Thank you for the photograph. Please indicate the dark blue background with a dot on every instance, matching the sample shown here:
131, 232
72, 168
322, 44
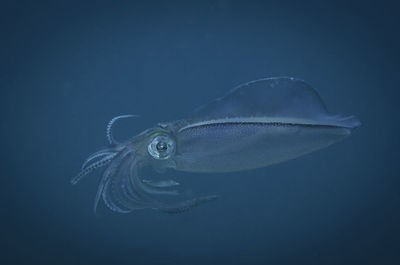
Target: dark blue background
68, 67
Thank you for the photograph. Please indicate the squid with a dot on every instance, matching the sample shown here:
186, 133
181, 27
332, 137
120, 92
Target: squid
256, 124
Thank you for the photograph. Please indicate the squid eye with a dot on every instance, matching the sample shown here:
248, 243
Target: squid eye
161, 147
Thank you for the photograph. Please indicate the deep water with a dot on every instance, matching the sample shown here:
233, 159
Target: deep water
67, 67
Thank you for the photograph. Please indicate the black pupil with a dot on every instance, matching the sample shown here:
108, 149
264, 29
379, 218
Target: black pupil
161, 146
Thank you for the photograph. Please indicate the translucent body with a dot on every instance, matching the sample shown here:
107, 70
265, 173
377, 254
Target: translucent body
233, 147
256, 124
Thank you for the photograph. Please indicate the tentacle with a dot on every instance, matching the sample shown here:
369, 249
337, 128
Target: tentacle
184, 206
110, 124
161, 183
119, 187
99, 154
126, 189
85, 171
123, 191
105, 181
154, 190
160, 187
141, 189
177, 207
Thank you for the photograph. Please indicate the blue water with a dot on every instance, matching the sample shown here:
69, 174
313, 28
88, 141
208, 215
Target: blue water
66, 68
